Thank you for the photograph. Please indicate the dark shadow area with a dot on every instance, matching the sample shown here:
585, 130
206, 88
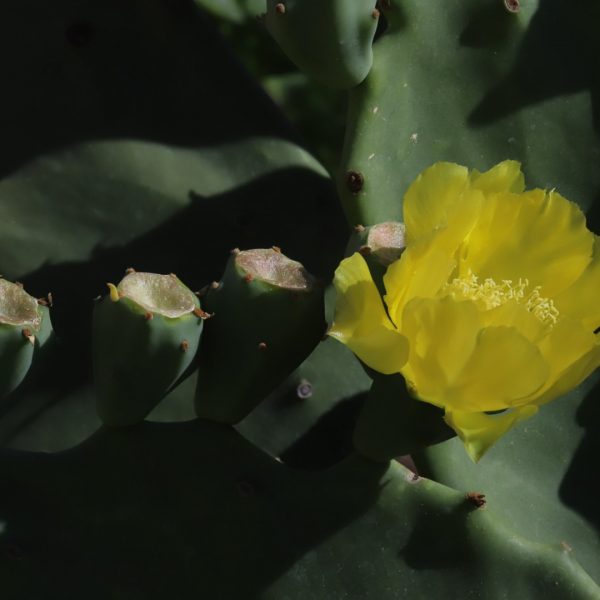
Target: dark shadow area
593, 216
154, 70
489, 26
395, 14
329, 440
580, 488
382, 23
439, 541
393, 423
165, 511
317, 111
57, 370
558, 55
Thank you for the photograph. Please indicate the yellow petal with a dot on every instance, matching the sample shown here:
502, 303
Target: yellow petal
573, 374
421, 271
442, 334
514, 314
360, 319
479, 431
503, 371
581, 300
432, 197
407, 278
503, 177
537, 235
565, 344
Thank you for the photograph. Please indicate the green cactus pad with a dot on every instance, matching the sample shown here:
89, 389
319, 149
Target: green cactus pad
168, 510
549, 463
469, 82
268, 317
330, 41
145, 335
24, 327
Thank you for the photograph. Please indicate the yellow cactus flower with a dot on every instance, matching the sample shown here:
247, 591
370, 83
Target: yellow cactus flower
494, 305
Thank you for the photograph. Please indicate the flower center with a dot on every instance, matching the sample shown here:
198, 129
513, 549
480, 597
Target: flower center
490, 295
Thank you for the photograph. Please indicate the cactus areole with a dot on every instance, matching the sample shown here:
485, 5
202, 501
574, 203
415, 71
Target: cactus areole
17, 307
271, 266
159, 294
386, 241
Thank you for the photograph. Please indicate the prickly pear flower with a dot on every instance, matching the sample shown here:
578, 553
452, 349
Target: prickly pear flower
493, 307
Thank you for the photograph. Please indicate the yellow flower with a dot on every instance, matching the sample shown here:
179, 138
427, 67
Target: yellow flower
493, 305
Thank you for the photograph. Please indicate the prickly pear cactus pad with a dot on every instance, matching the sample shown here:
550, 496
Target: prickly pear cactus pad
492, 309
474, 83
331, 41
24, 328
268, 317
194, 498
145, 335
199, 435
536, 474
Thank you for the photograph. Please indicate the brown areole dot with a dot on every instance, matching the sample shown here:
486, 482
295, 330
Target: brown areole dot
355, 181
476, 499
513, 6
202, 314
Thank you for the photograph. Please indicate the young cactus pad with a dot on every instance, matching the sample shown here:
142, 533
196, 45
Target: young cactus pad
341, 33
268, 318
24, 325
145, 335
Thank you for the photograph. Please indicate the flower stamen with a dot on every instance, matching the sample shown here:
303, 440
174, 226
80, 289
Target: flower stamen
490, 294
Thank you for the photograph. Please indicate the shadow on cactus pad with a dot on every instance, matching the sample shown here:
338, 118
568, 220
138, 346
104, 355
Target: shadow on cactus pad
580, 489
555, 58
175, 510
158, 511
